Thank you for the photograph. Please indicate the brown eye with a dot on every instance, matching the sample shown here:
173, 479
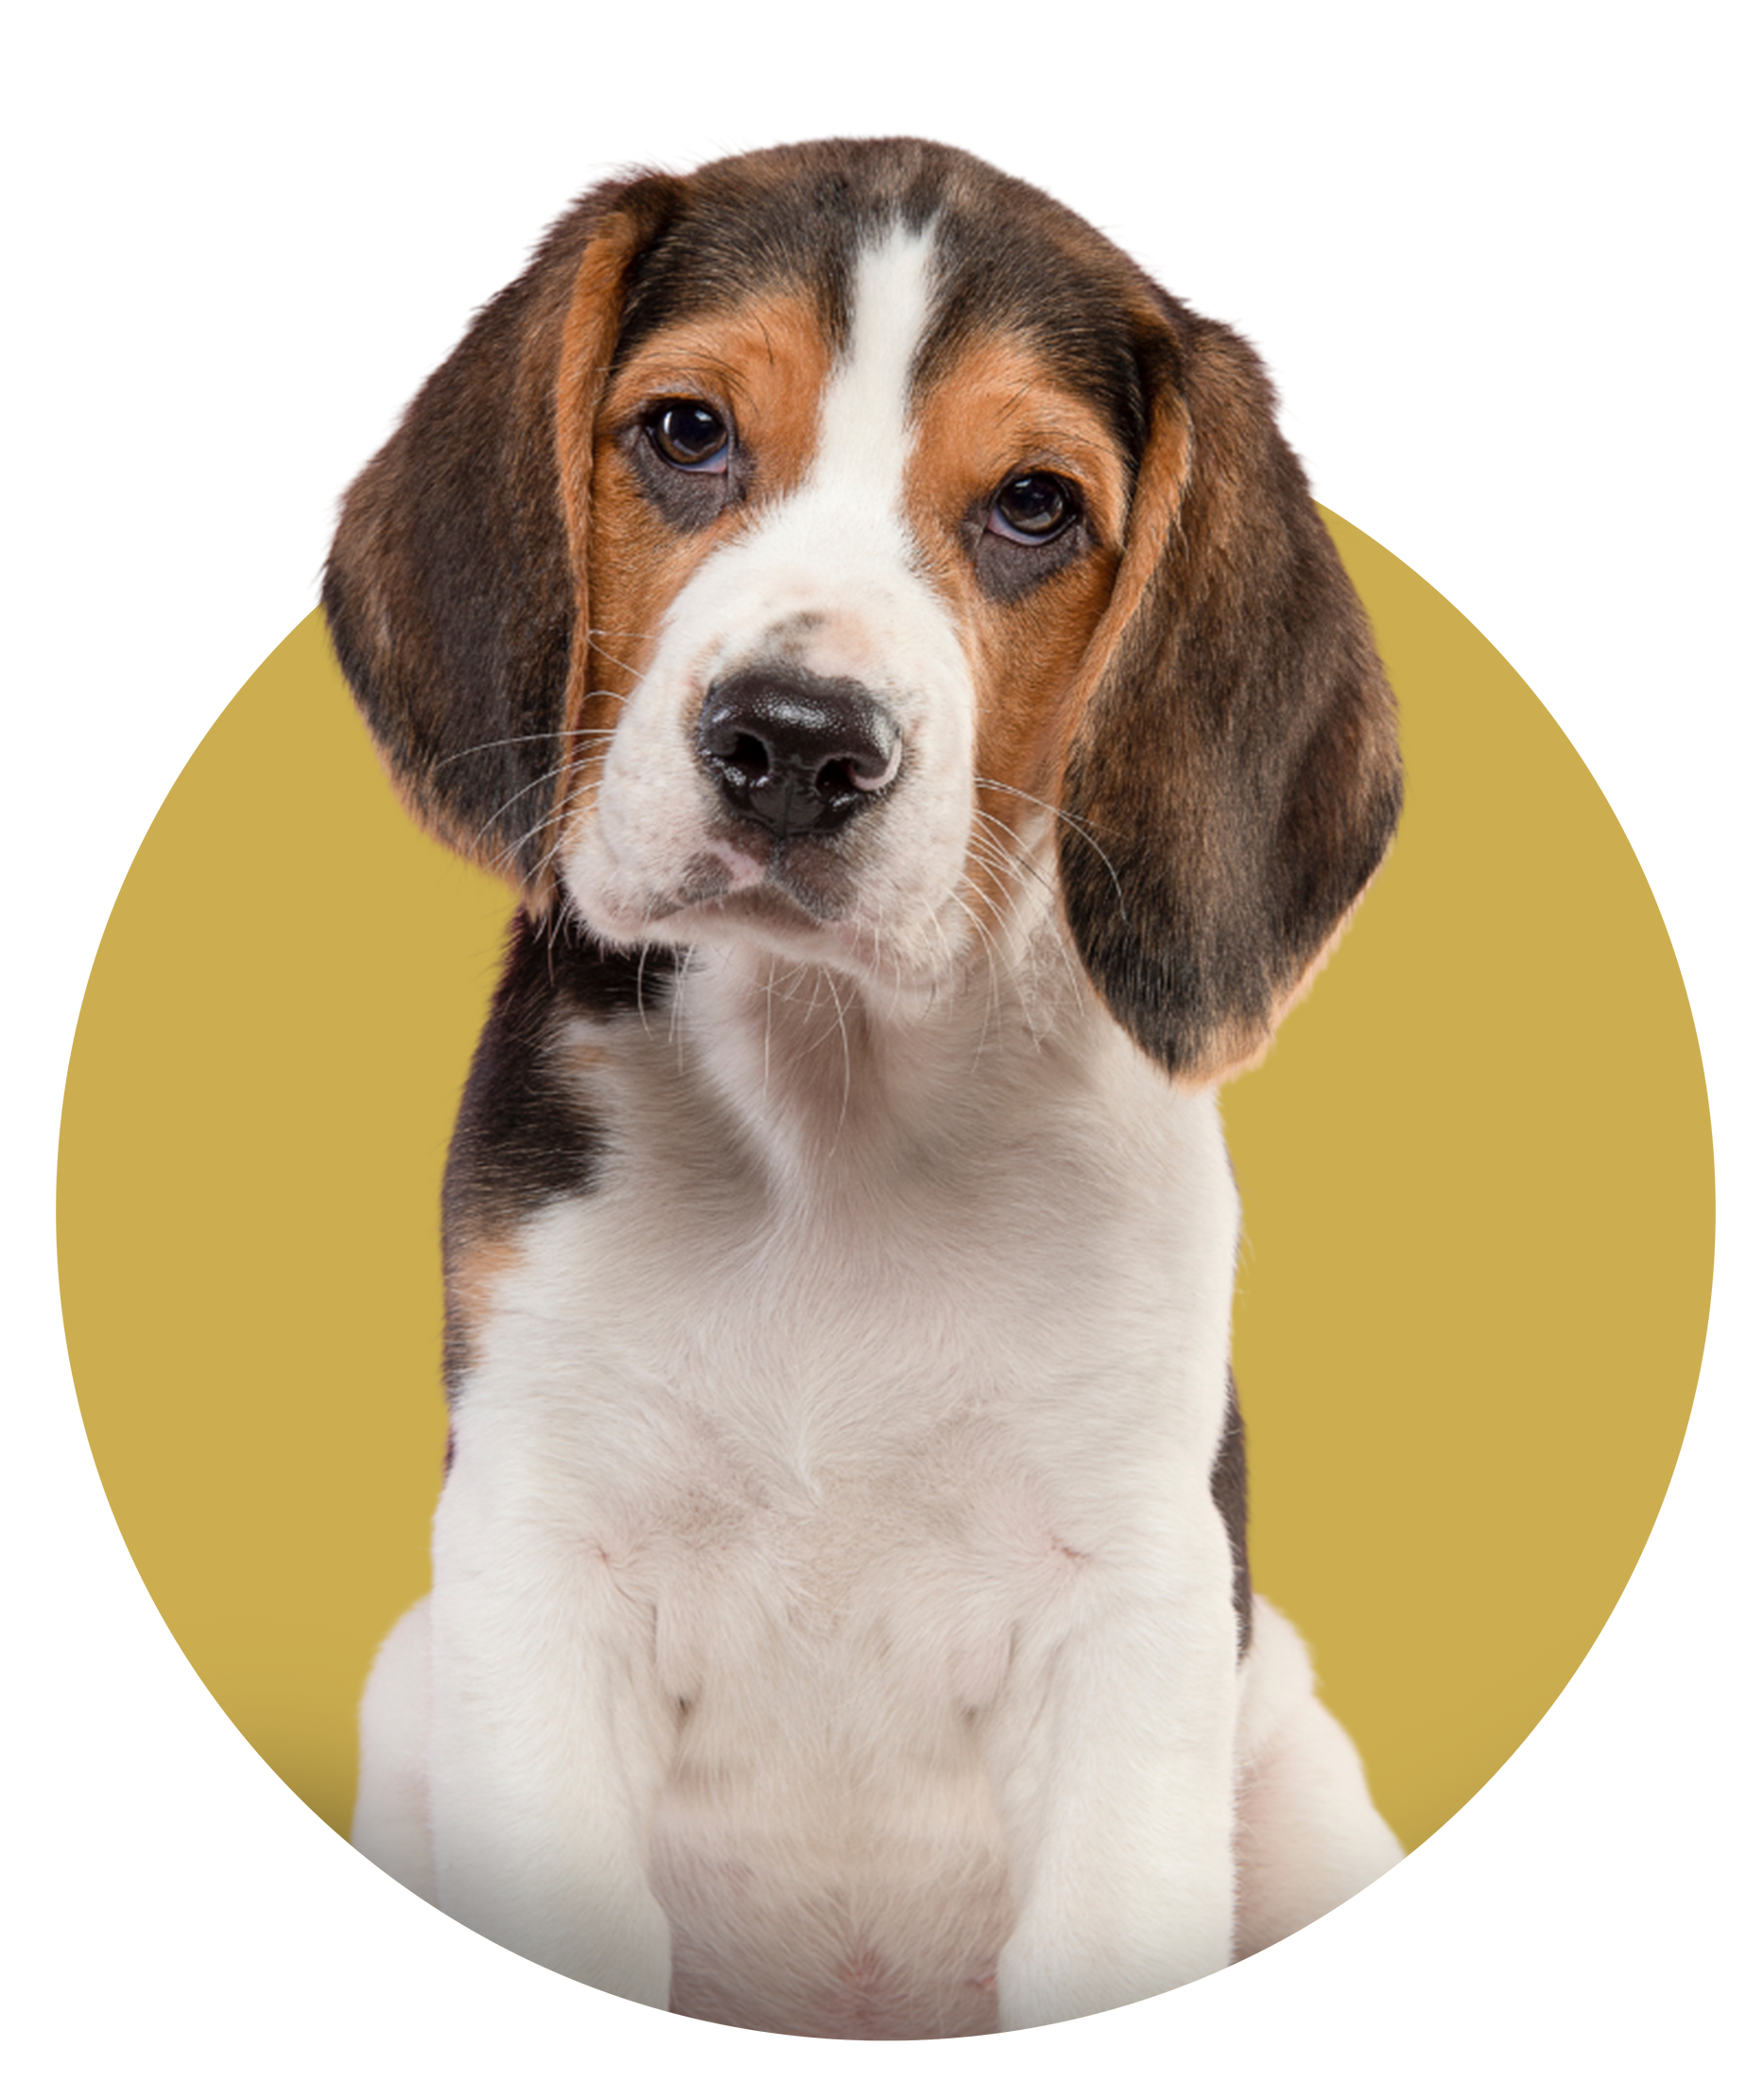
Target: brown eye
690, 435
1033, 509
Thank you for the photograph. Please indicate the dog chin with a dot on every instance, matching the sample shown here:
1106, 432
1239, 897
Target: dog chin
774, 920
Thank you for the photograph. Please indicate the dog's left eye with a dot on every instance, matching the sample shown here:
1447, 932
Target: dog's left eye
1033, 509
690, 435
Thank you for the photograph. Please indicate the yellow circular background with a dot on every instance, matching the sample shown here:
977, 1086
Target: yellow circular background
1476, 1176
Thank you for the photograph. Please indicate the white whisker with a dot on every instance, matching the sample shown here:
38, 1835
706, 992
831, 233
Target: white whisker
1077, 824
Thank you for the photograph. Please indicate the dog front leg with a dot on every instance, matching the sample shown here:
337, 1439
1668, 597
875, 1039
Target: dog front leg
1113, 1774
551, 1742
391, 1824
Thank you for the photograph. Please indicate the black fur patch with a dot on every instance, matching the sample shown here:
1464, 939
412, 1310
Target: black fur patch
523, 1136
1231, 1499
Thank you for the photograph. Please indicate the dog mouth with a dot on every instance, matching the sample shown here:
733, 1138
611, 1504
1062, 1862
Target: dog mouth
801, 882
859, 899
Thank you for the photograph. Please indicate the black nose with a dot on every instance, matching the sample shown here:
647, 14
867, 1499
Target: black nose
794, 752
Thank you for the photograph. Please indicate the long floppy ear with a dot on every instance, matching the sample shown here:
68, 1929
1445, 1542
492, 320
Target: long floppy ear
1235, 777
457, 587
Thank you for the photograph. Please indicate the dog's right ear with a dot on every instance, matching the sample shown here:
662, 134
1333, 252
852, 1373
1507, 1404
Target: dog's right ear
457, 587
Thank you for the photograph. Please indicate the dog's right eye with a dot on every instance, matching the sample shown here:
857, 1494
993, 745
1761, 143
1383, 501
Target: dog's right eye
690, 435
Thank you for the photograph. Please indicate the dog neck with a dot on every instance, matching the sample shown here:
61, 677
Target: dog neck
832, 1074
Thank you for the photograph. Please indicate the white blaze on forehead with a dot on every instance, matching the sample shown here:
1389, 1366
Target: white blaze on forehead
864, 439
832, 570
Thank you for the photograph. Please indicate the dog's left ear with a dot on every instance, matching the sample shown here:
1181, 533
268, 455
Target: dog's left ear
1235, 777
456, 589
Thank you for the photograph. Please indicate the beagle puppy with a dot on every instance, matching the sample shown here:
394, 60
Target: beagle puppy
887, 646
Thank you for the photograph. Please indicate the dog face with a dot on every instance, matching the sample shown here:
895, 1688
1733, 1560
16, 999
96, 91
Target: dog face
805, 552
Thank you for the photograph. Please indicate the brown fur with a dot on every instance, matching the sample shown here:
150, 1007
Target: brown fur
996, 415
765, 365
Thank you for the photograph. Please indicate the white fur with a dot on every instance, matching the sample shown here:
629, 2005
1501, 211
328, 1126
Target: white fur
830, 1614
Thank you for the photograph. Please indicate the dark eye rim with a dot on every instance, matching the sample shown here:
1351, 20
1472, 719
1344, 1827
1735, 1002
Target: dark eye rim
712, 462
1069, 511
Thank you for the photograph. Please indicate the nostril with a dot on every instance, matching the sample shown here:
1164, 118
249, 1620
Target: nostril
748, 753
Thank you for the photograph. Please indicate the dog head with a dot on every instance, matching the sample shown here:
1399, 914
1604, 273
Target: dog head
811, 552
